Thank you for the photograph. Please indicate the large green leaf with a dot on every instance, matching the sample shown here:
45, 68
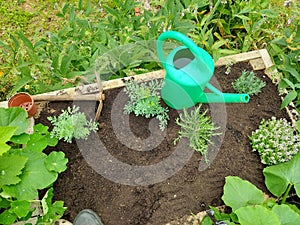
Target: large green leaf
278, 177
56, 162
7, 218
35, 176
11, 167
40, 139
6, 133
239, 193
257, 215
286, 215
20, 208
14, 117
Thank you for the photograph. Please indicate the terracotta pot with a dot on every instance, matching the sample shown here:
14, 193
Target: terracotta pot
24, 101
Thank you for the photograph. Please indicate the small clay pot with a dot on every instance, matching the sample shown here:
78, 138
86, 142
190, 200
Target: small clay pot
24, 101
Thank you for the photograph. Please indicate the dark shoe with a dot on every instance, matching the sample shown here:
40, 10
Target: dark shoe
87, 217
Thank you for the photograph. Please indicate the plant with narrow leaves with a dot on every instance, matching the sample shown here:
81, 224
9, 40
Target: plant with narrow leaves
144, 100
198, 128
248, 83
275, 141
72, 124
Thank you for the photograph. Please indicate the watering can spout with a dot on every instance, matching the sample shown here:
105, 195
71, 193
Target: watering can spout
216, 96
224, 97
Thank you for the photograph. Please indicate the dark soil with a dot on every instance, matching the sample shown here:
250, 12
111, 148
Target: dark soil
109, 177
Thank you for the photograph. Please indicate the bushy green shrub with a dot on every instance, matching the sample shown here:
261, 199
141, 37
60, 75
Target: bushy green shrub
72, 124
275, 141
198, 128
248, 83
144, 100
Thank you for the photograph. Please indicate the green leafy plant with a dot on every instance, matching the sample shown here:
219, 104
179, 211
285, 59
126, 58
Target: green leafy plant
198, 128
26, 169
144, 100
275, 141
248, 83
72, 124
252, 207
281, 178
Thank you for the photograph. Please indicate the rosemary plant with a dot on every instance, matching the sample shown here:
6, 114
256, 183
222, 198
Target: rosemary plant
198, 128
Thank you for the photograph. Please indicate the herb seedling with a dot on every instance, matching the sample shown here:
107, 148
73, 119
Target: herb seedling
248, 83
72, 123
198, 128
275, 141
144, 100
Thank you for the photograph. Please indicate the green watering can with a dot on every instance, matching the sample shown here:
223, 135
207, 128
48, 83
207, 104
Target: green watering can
188, 71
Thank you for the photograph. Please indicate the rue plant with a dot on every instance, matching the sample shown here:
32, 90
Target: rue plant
198, 128
248, 83
144, 100
275, 141
72, 124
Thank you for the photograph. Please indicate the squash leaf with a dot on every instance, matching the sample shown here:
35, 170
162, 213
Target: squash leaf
6, 133
11, 167
278, 177
239, 193
14, 117
35, 176
286, 215
257, 215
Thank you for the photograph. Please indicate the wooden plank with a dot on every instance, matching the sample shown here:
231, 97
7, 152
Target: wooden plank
241, 57
93, 88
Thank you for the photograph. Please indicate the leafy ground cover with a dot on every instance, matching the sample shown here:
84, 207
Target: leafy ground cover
49, 45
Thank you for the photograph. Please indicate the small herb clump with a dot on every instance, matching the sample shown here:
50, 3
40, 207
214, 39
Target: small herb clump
275, 141
71, 123
198, 128
144, 100
248, 83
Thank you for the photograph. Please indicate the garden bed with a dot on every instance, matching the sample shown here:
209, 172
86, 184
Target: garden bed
96, 177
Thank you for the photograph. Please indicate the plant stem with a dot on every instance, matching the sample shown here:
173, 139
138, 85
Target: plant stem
286, 193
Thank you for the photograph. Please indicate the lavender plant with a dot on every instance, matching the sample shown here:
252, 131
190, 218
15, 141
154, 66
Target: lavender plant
275, 141
248, 83
71, 123
144, 100
198, 128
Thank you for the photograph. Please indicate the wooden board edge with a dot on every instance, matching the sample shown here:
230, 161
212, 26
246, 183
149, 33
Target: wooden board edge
93, 88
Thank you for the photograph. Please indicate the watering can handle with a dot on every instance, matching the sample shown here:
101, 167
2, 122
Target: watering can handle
178, 37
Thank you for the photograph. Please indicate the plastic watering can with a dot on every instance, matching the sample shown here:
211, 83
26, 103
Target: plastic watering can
189, 69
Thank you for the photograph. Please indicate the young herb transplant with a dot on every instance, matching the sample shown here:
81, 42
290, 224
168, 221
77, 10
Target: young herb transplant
72, 123
275, 141
198, 128
144, 100
248, 83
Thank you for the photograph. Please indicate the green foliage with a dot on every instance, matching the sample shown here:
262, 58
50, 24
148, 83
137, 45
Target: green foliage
280, 178
25, 169
234, 193
249, 205
248, 83
275, 141
62, 58
198, 128
144, 100
72, 124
